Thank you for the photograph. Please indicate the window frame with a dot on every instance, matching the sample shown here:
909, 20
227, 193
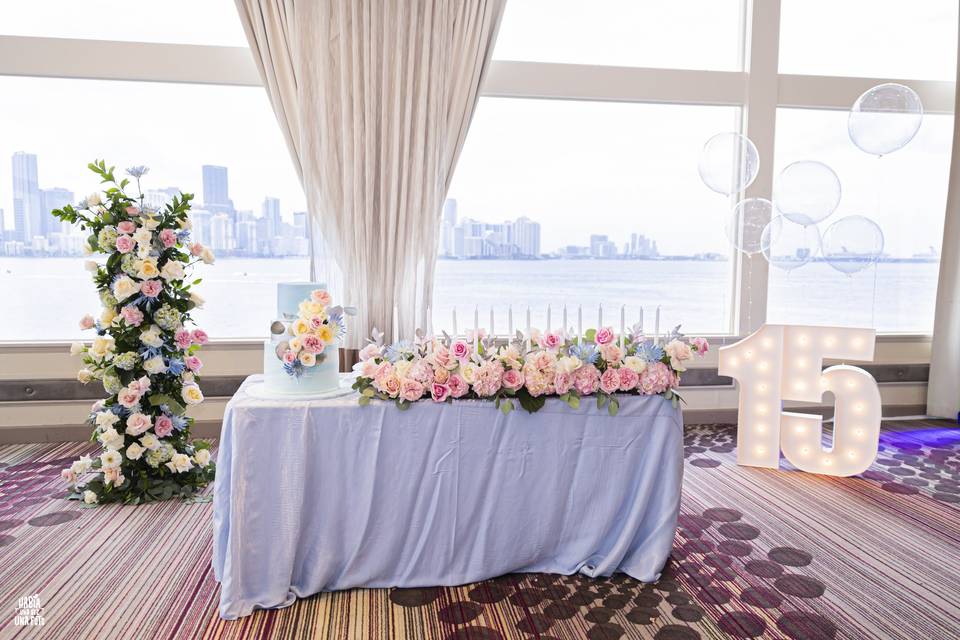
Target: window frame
758, 90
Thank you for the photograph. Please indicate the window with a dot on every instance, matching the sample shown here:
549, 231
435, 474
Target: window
60, 125
869, 38
611, 193
694, 34
904, 192
211, 22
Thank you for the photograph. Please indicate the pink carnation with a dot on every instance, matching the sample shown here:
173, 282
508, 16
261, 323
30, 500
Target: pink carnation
163, 426
131, 315
563, 382
512, 379
199, 336
458, 386
182, 338
125, 244
127, 227
586, 379
411, 390
193, 363
439, 392
151, 288
168, 237
610, 381
628, 379
460, 350
604, 335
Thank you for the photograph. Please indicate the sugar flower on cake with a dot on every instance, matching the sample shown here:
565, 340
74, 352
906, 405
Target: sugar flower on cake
316, 327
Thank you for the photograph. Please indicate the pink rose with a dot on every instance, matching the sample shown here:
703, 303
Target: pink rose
551, 340
586, 379
312, 344
320, 295
196, 249
128, 397
604, 335
142, 385
137, 423
182, 338
411, 390
87, 322
442, 358
127, 227
610, 381
112, 475
168, 237
151, 288
193, 363
439, 392
460, 350
199, 336
67, 475
458, 386
132, 211
700, 345
610, 352
125, 244
512, 379
368, 369
562, 382
131, 315
389, 385
289, 357
628, 379
163, 426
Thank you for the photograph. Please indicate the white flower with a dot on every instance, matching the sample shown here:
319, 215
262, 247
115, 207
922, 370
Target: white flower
81, 466
202, 457
172, 270
143, 237
103, 347
678, 351
207, 256
152, 337
93, 199
77, 348
636, 363
180, 463
106, 419
191, 394
186, 224
89, 497
91, 266
124, 287
150, 222
187, 377
84, 375
134, 451
568, 364
147, 269
196, 299
154, 365
108, 316
150, 441
110, 459
87, 251
111, 439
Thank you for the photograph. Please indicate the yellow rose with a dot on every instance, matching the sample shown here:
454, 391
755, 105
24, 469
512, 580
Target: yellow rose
107, 317
307, 359
299, 327
102, 347
314, 308
147, 268
325, 333
191, 394
296, 344
469, 372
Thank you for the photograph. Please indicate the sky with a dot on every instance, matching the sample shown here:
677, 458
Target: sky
578, 168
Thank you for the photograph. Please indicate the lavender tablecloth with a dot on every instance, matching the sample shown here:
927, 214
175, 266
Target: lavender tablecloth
320, 495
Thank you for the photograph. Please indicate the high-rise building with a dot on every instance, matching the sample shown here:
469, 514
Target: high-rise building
450, 212
159, 198
216, 190
55, 198
220, 232
271, 213
525, 236
300, 224
3, 229
27, 206
201, 225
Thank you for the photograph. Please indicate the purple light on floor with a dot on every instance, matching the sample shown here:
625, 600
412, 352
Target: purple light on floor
901, 439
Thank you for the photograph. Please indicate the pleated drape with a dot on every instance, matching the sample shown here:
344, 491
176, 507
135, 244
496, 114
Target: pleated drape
374, 100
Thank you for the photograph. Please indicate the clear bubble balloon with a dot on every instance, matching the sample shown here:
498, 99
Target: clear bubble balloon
728, 163
746, 223
885, 118
852, 244
807, 192
788, 245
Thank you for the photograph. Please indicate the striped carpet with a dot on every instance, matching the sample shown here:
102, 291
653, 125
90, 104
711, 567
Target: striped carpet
759, 553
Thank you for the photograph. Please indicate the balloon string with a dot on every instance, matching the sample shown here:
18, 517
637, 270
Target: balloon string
749, 293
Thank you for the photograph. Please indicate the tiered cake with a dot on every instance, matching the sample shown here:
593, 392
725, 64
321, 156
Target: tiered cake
304, 371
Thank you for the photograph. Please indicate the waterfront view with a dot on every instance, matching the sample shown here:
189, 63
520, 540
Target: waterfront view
43, 298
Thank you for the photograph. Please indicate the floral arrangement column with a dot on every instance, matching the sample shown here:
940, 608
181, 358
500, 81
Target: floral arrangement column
144, 353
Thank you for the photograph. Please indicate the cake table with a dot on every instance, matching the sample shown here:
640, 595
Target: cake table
322, 494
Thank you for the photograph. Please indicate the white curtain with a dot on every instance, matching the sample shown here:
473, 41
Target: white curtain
374, 99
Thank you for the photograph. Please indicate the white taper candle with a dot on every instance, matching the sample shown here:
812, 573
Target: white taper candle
476, 328
656, 327
454, 323
509, 323
623, 323
579, 324
491, 329
548, 318
396, 324
564, 329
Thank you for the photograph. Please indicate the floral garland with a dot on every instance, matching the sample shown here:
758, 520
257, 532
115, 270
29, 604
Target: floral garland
316, 327
143, 354
528, 371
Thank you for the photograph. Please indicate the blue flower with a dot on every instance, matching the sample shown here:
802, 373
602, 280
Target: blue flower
150, 352
183, 235
295, 370
650, 352
179, 422
138, 171
587, 352
175, 366
398, 350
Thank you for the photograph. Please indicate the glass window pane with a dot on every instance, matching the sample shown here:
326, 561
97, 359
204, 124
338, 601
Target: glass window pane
213, 22
694, 34
869, 38
174, 129
585, 203
904, 192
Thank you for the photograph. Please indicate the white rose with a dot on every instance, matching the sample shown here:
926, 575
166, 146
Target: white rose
150, 441
77, 348
110, 459
81, 466
191, 394
187, 377
103, 347
111, 439
124, 287
89, 497
402, 367
134, 451
147, 269
636, 363
108, 316
151, 222
106, 419
91, 266
155, 365
207, 256
196, 299
180, 463
143, 237
84, 375
93, 199
202, 457
568, 364
172, 270
152, 337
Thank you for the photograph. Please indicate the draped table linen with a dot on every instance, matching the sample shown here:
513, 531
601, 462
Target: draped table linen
322, 495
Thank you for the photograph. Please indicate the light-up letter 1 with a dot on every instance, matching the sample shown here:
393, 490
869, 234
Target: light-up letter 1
799, 353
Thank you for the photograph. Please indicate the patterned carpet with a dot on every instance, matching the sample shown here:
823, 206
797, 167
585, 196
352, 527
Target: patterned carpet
759, 553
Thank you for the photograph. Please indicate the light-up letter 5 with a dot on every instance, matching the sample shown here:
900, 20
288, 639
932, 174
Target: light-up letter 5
783, 362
